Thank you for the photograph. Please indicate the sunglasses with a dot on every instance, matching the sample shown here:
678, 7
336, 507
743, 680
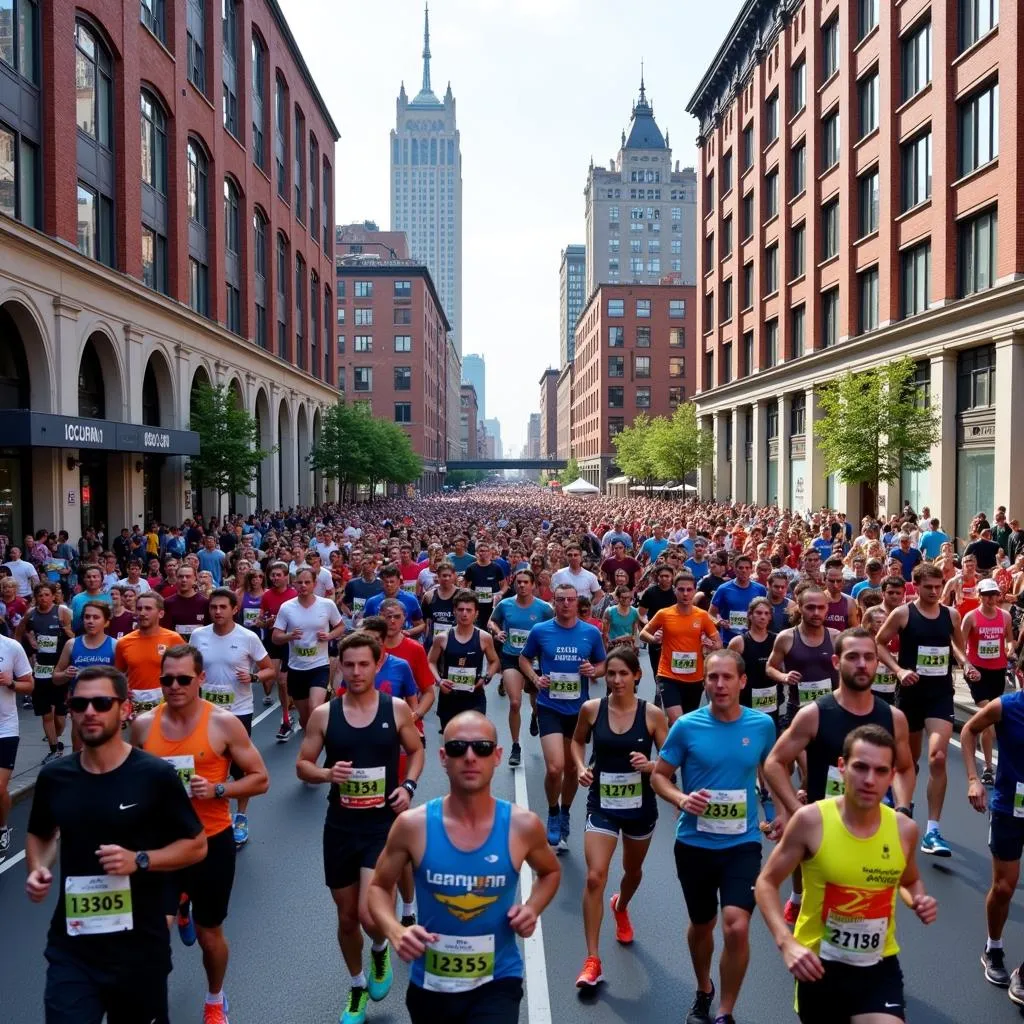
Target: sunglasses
181, 680
79, 705
458, 748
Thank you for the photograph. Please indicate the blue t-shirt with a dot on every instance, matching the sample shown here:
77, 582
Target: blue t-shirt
413, 612
515, 619
561, 650
1010, 770
908, 559
78, 603
502, 564
859, 588
461, 562
717, 755
212, 562
931, 543
612, 536
732, 602
823, 545
699, 569
652, 547
395, 677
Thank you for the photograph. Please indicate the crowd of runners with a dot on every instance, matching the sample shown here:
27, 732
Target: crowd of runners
804, 671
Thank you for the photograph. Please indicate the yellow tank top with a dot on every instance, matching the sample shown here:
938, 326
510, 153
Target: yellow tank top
850, 888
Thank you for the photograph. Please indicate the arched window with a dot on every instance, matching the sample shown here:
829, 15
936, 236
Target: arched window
259, 262
196, 184
232, 258
259, 115
92, 400
153, 123
281, 276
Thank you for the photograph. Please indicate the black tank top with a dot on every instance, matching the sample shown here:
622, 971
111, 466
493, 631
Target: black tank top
464, 656
373, 750
611, 751
780, 616
925, 644
835, 723
755, 656
441, 612
50, 639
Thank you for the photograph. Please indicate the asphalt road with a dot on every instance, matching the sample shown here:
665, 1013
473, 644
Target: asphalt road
285, 965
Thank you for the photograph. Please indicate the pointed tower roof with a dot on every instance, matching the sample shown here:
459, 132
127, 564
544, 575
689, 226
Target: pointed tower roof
425, 97
644, 132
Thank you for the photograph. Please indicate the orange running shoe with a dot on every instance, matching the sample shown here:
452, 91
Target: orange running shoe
791, 911
623, 925
215, 1013
590, 976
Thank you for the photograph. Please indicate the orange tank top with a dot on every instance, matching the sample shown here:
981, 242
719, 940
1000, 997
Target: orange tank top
193, 756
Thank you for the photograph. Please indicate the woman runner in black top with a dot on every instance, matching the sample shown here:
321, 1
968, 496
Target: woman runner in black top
623, 729
754, 645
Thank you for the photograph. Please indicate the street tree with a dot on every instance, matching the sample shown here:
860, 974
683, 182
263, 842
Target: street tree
679, 446
571, 473
875, 424
634, 452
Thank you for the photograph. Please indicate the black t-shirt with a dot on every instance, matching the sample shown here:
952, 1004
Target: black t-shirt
484, 577
710, 584
653, 599
985, 551
141, 805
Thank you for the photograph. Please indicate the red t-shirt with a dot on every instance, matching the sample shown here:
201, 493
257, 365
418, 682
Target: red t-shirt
271, 601
413, 653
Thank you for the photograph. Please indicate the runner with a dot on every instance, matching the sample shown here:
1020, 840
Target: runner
620, 798
138, 654
660, 594
15, 677
361, 733
929, 633
730, 601
570, 654
270, 604
391, 581
961, 592
47, 628
855, 855
510, 624
583, 581
778, 595
202, 742
437, 603
842, 612
187, 610
124, 821
307, 623
234, 660
620, 621
358, 591
884, 685
467, 850
412, 653
717, 750
754, 645
487, 580
92, 580
122, 612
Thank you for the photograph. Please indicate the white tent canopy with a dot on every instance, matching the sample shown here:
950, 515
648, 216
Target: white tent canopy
581, 488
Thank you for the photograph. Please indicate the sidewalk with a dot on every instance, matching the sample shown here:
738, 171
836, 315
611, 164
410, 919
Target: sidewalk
31, 751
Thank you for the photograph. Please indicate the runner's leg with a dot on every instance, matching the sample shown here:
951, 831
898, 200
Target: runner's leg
735, 956
939, 732
350, 935
513, 681
598, 849
1005, 875
553, 747
570, 780
634, 852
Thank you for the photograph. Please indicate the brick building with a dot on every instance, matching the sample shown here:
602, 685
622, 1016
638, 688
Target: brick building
549, 412
858, 203
166, 218
634, 353
469, 421
563, 415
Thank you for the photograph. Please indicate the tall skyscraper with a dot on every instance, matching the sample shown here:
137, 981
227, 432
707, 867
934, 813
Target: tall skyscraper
426, 186
641, 214
493, 428
571, 278
473, 373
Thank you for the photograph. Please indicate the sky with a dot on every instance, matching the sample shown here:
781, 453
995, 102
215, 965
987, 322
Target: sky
541, 86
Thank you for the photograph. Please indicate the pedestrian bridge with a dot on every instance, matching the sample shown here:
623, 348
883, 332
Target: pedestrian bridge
513, 464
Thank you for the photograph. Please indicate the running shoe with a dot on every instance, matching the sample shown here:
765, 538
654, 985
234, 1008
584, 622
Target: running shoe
501, 688
988, 777
267, 700
216, 1013
995, 968
515, 758
700, 1012
408, 920
623, 925
554, 829
186, 926
5, 841
791, 911
52, 756
591, 975
534, 727
725, 1018
1016, 988
240, 828
284, 734
60, 747
379, 984
563, 828
355, 1008
934, 844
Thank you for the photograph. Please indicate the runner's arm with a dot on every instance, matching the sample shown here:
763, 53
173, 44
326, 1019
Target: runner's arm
789, 746
646, 633
906, 771
957, 643
243, 752
65, 621
411, 741
584, 724
541, 858
265, 671
775, 669
380, 898
306, 766
493, 661
60, 670
911, 887
982, 719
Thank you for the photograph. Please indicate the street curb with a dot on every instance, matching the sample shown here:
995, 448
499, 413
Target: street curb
23, 792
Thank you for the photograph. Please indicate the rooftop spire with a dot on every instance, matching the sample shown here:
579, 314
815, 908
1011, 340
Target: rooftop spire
426, 48
643, 98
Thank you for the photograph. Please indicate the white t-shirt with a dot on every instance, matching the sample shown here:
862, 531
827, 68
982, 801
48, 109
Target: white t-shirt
324, 582
24, 572
142, 587
307, 652
14, 660
294, 567
223, 656
110, 579
325, 550
584, 581
427, 579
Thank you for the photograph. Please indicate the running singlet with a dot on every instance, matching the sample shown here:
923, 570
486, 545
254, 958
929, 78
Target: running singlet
517, 621
440, 615
837, 615
618, 788
461, 662
83, 657
682, 646
619, 624
760, 693
464, 898
561, 649
850, 886
986, 646
249, 613
817, 676
50, 640
925, 648
780, 616
969, 599
1008, 797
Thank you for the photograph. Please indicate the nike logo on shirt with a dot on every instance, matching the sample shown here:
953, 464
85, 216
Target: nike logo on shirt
125, 807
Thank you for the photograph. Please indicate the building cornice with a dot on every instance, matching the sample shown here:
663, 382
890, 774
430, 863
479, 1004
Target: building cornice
394, 268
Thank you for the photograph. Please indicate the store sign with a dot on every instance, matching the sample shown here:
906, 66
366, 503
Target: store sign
77, 434
22, 427
72, 498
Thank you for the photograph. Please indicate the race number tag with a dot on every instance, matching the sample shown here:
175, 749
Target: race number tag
458, 963
358, 604
517, 638
185, 766
222, 698
726, 813
565, 686
442, 628
834, 785
620, 791
856, 922
304, 651
885, 681
47, 644
462, 679
737, 620
409, 586
813, 690
988, 649
765, 699
684, 662
932, 661
42, 671
146, 700
364, 788
250, 616
1018, 801
97, 904
484, 595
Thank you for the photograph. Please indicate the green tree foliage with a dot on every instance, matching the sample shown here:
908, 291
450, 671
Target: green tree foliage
570, 474
457, 477
633, 450
678, 445
229, 452
875, 424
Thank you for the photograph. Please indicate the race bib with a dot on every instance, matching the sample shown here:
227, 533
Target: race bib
565, 686
684, 662
97, 904
737, 620
47, 644
250, 616
968, 593
1018, 801
856, 922
932, 661
813, 690
462, 678
885, 682
458, 963
834, 784
42, 671
146, 700
620, 791
409, 586
989, 649
306, 651
358, 604
484, 595
517, 638
765, 699
442, 628
185, 766
726, 814
364, 788
222, 698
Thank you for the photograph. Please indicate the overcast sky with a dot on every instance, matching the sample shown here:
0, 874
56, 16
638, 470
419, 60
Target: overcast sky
540, 86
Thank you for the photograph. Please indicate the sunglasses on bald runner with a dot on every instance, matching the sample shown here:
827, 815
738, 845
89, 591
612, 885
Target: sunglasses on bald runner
458, 748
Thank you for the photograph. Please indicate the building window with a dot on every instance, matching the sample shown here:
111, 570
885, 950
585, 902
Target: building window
403, 412
771, 343
771, 119
709, 311
917, 60
362, 378
727, 238
867, 17
799, 243
830, 147
675, 397
403, 289
341, 378
748, 353
259, 259
402, 315
363, 316
799, 165
196, 183
362, 343
977, 18
616, 366
772, 421
229, 42
195, 38
403, 342
727, 173
615, 397
19, 172
747, 215
299, 170
341, 314
154, 143
830, 318
616, 337
830, 49
281, 282
643, 337
798, 341
153, 17
676, 366
748, 147
616, 307
281, 137
616, 424
917, 170
643, 308
916, 268
727, 300
771, 270
641, 366
154, 260
867, 188
830, 230
231, 217
676, 337
198, 286
341, 344
867, 89
979, 128
154, 199
363, 290
196, 203
976, 256
403, 378
232, 262
797, 414
709, 194
771, 195
314, 189
799, 87
326, 208
643, 398
259, 75
676, 308
868, 281
748, 285
300, 312
976, 378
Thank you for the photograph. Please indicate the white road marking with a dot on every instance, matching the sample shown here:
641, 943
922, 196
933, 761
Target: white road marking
11, 861
264, 714
538, 1000
977, 753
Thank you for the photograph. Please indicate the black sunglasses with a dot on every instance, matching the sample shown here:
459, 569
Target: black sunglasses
458, 748
181, 681
79, 705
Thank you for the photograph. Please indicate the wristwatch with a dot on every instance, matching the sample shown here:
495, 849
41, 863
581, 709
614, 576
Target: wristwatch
218, 791
410, 787
904, 810
142, 860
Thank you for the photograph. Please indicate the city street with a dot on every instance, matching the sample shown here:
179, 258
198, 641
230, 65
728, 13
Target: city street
285, 964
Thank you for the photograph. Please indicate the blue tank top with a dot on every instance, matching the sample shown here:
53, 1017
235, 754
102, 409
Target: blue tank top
83, 657
464, 898
1010, 770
